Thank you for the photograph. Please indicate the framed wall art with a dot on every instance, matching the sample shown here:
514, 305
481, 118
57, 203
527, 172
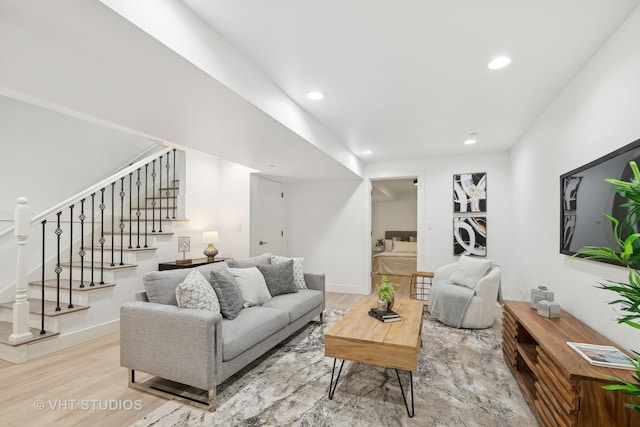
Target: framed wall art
470, 236
470, 192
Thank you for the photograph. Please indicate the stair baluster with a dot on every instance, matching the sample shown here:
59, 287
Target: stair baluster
44, 224
70, 254
130, 206
102, 240
138, 183
82, 252
113, 228
168, 190
93, 227
58, 267
175, 197
153, 198
160, 198
121, 219
146, 212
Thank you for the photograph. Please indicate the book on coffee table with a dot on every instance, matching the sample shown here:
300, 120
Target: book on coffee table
385, 315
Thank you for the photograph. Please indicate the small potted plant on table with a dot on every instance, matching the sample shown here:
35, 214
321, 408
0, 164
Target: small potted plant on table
386, 293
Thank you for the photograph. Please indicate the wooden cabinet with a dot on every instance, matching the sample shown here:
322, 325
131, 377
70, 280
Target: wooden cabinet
562, 387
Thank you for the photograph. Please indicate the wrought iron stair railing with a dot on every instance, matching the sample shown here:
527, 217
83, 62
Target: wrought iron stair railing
109, 196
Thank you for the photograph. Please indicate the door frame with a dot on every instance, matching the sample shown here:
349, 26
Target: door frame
254, 213
421, 219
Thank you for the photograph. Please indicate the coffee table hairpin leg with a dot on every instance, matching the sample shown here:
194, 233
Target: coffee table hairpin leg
413, 411
332, 386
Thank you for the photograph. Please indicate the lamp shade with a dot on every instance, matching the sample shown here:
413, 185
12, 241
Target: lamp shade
210, 237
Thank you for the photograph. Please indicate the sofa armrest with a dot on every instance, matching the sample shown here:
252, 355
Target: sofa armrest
316, 282
175, 343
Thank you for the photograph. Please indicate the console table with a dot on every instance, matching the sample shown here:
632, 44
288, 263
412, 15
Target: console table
561, 387
172, 265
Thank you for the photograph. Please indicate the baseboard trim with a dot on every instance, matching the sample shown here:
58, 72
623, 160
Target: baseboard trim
24, 353
347, 289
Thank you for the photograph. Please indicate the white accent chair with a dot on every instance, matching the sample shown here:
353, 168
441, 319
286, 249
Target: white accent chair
480, 310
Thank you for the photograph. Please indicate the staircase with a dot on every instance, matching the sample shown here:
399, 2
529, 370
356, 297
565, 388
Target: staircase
93, 250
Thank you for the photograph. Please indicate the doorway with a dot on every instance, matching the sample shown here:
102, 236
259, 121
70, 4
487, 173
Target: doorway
267, 216
394, 231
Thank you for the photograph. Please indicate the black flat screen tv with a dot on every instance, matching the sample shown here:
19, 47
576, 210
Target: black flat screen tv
585, 197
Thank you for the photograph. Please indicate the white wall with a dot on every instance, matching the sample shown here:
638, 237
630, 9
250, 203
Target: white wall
326, 225
398, 214
435, 194
45, 149
597, 113
217, 198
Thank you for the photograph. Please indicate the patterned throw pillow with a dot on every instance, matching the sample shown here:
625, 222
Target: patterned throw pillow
196, 292
279, 278
298, 269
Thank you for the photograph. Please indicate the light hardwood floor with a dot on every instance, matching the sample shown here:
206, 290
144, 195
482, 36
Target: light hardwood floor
84, 385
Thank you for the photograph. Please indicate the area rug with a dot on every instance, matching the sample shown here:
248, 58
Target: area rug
462, 380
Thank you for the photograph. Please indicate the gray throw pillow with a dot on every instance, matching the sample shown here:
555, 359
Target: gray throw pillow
279, 278
229, 296
298, 269
264, 259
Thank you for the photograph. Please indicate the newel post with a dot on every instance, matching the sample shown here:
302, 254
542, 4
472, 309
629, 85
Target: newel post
21, 305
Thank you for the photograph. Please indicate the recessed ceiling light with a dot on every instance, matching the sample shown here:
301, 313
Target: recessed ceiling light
471, 139
315, 95
367, 152
499, 62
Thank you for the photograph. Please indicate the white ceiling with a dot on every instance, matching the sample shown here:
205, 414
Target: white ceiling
406, 79
391, 189
409, 78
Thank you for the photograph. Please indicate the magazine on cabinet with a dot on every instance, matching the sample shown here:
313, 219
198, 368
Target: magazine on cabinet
602, 355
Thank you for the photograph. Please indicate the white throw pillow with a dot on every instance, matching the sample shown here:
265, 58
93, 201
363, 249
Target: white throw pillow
388, 245
298, 269
252, 285
405, 247
469, 270
196, 292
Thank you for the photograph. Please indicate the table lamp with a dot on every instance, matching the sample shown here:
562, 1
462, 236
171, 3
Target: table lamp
210, 237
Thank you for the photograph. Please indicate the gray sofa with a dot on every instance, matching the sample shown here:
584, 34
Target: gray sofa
200, 348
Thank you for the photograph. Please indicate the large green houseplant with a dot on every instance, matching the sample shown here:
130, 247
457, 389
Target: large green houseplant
628, 254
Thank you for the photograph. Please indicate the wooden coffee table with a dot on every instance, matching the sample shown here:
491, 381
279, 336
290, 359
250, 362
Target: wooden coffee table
362, 338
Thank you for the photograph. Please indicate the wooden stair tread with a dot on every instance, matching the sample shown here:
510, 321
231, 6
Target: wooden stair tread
149, 219
106, 265
6, 329
163, 198
75, 284
150, 233
35, 307
128, 249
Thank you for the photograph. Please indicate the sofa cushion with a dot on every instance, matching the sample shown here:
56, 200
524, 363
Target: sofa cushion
252, 285
196, 292
161, 285
263, 259
252, 326
296, 305
279, 278
469, 270
298, 269
229, 295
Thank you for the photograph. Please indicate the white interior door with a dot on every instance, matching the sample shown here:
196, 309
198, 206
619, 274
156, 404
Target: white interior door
269, 217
